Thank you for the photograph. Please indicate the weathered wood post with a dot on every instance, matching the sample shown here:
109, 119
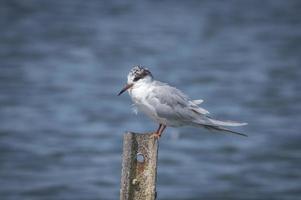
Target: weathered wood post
139, 167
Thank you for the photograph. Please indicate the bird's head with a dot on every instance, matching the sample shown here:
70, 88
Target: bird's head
137, 75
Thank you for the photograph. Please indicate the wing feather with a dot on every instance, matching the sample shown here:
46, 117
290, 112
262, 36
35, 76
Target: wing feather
171, 103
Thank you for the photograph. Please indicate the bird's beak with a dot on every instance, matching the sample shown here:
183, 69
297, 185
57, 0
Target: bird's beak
126, 87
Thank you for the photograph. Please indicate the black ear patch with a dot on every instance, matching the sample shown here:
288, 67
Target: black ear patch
137, 78
143, 73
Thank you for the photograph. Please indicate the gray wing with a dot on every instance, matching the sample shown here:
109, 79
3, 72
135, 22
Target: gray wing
171, 103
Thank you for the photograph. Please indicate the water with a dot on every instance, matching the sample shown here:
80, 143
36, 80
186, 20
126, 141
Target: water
61, 123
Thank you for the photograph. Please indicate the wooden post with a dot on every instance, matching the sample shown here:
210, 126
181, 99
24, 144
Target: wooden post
139, 167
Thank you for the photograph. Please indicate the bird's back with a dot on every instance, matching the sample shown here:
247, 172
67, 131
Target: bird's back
172, 105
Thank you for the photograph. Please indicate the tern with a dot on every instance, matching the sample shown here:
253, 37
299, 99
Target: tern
168, 106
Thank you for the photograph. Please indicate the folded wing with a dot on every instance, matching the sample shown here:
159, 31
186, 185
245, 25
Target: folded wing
171, 103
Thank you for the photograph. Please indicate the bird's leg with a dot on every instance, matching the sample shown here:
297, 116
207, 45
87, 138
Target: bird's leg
158, 133
162, 129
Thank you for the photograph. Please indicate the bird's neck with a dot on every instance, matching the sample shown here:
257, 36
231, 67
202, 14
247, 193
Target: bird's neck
141, 88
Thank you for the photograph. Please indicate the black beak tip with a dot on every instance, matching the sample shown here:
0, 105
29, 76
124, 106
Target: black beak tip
122, 91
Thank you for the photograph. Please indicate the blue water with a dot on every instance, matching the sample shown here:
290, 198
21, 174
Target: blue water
61, 124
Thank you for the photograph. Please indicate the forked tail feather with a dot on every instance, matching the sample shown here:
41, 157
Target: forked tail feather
218, 128
226, 123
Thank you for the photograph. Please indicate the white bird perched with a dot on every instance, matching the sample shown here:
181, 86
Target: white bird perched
167, 105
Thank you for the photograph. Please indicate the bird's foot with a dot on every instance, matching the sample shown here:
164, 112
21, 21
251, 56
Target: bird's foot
156, 136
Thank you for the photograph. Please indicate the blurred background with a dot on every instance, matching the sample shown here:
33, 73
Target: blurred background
61, 124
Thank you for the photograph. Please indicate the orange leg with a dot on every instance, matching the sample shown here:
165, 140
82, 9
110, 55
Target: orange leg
159, 132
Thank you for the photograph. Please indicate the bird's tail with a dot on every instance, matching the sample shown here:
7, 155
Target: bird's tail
226, 123
218, 128
213, 124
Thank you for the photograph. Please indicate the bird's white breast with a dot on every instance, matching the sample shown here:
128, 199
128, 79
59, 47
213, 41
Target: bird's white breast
141, 95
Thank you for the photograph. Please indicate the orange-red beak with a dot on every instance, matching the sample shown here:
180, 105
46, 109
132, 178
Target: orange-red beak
126, 87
